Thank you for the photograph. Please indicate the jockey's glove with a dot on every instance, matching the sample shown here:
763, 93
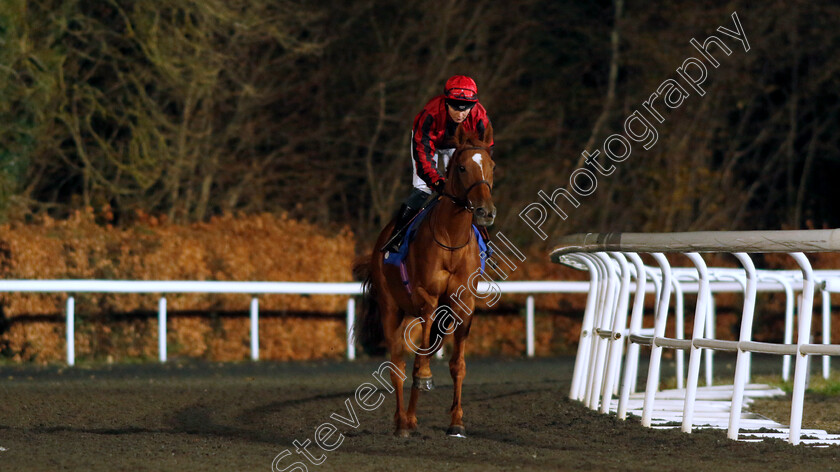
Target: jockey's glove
438, 186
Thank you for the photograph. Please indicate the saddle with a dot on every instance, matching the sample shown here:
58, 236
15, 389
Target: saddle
398, 258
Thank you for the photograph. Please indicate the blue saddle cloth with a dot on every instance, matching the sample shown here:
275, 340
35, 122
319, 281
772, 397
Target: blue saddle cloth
398, 258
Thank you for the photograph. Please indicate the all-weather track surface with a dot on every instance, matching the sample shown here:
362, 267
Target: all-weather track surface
239, 416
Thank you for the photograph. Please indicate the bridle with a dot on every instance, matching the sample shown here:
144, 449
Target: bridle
463, 202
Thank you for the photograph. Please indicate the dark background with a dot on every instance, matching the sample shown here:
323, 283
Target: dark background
189, 109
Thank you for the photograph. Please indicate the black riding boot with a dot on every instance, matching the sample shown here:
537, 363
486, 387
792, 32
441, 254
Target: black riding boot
404, 216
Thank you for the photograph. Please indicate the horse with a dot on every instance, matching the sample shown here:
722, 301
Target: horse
441, 264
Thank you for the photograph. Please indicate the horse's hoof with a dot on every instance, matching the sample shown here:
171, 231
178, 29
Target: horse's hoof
456, 431
402, 433
424, 384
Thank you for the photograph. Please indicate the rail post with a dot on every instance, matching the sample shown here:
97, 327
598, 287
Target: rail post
826, 330
742, 362
660, 317
576, 391
800, 369
162, 329
602, 322
631, 362
703, 296
255, 329
351, 326
529, 325
614, 341
71, 331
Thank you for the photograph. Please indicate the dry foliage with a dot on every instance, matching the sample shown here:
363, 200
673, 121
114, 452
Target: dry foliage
244, 248
261, 248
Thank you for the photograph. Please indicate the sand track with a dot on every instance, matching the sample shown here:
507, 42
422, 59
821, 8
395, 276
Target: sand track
203, 416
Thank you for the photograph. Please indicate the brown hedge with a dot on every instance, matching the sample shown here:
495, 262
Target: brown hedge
243, 248
253, 248
257, 247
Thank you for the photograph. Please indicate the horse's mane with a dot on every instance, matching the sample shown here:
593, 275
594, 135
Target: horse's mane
473, 139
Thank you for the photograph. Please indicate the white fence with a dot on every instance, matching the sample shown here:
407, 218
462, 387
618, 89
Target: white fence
256, 288
613, 262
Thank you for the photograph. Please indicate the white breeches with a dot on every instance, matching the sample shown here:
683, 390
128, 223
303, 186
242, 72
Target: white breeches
417, 181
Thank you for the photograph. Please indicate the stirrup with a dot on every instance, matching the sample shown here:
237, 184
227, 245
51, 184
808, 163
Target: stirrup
393, 244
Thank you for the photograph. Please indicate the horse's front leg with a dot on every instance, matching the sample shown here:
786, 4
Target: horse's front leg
423, 353
422, 372
422, 359
458, 370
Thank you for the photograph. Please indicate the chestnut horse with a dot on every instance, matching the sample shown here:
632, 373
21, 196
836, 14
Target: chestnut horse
440, 264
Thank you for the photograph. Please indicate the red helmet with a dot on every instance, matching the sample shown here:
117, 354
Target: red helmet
461, 88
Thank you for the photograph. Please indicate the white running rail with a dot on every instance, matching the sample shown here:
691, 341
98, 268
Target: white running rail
257, 288
613, 262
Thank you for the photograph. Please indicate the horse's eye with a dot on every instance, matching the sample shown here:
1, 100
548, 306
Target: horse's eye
462, 168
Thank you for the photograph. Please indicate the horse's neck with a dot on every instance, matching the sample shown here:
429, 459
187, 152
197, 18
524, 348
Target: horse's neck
451, 224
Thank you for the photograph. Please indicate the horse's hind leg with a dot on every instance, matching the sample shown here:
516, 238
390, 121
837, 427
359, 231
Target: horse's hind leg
458, 370
401, 419
393, 323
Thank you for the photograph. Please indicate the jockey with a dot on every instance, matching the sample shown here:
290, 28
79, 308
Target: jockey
432, 138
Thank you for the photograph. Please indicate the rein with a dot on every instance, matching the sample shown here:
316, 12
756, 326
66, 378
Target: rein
463, 202
434, 236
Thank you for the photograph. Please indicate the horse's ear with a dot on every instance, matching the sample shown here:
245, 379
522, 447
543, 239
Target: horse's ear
488, 135
460, 136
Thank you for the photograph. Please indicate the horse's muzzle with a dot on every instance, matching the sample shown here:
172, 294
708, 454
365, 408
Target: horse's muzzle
484, 215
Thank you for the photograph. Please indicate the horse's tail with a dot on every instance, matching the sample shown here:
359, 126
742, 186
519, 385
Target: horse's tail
368, 330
